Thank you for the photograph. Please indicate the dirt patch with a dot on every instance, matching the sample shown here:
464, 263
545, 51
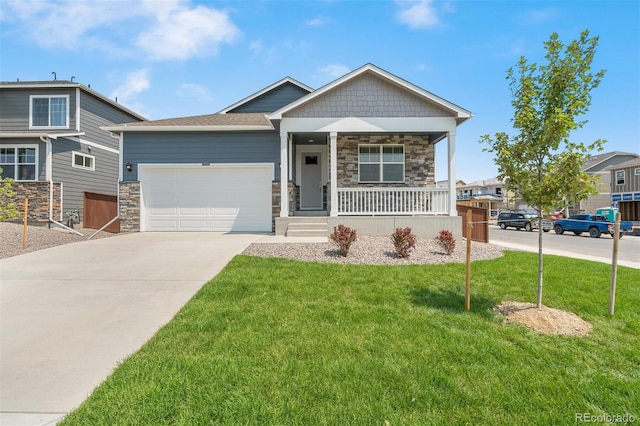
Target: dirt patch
544, 320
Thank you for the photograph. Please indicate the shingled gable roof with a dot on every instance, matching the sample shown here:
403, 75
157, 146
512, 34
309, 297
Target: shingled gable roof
67, 85
600, 158
461, 114
210, 122
286, 80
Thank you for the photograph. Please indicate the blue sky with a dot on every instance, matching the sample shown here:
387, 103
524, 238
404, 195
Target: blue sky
173, 58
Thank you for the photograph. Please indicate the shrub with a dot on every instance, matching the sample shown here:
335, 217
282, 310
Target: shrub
343, 237
404, 241
446, 241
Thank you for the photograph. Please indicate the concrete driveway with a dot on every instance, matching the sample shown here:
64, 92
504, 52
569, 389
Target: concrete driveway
70, 314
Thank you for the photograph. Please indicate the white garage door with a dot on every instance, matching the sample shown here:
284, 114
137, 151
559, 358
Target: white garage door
219, 197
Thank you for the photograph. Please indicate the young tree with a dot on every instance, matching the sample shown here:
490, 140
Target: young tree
8, 209
540, 163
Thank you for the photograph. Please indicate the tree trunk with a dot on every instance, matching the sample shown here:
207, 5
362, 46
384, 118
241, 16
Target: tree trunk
539, 300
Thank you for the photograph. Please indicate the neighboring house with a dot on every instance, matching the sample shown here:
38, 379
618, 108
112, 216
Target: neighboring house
358, 151
52, 145
625, 189
488, 193
599, 165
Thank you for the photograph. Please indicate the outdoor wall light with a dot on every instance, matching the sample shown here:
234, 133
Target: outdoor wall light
129, 167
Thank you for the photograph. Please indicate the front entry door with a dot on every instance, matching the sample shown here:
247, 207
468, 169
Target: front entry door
311, 182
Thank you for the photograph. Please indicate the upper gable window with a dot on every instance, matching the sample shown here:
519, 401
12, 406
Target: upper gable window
48, 111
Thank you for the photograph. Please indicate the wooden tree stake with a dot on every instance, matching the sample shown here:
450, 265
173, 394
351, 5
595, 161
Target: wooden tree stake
467, 292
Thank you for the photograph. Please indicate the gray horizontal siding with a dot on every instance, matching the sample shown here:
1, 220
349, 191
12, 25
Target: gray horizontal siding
14, 107
95, 113
42, 152
185, 148
76, 181
273, 100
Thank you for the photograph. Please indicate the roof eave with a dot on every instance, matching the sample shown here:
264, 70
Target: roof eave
227, 128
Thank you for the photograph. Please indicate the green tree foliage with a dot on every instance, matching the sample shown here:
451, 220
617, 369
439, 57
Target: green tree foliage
8, 210
540, 162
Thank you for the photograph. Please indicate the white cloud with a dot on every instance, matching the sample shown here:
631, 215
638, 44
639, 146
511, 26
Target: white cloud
334, 70
180, 33
316, 22
160, 30
135, 83
417, 14
196, 91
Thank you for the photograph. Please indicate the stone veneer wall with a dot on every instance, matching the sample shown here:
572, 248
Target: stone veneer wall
129, 209
419, 157
38, 194
275, 197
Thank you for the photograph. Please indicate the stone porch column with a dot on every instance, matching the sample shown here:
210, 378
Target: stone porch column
284, 173
451, 172
333, 151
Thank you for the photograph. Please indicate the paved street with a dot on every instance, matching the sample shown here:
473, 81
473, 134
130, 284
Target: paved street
582, 246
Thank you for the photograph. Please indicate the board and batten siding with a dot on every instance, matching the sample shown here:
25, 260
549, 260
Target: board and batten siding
272, 100
195, 148
14, 108
631, 180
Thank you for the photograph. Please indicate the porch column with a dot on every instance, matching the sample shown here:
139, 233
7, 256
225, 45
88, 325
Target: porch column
284, 173
451, 173
333, 148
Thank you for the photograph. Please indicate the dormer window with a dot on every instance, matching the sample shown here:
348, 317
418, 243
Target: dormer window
48, 111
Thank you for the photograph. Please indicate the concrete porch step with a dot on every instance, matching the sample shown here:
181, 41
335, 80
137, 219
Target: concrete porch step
308, 219
310, 213
307, 233
308, 226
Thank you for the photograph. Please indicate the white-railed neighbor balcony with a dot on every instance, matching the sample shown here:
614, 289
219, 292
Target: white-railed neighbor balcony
392, 201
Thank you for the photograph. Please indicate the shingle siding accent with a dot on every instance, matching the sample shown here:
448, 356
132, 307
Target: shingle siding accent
368, 96
419, 155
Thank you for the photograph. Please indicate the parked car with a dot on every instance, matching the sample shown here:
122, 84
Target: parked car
520, 220
594, 224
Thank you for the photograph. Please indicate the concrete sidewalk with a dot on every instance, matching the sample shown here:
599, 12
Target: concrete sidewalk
71, 313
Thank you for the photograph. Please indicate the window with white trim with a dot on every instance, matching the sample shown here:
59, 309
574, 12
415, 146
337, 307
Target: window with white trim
619, 177
19, 162
637, 171
380, 163
83, 161
48, 111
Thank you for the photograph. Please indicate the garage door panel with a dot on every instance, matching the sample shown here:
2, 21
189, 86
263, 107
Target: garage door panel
207, 199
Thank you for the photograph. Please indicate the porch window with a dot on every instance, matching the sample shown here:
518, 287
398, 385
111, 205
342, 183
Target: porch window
49, 111
18, 162
83, 161
381, 163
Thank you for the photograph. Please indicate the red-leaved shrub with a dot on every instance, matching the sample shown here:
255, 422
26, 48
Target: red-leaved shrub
343, 237
404, 241
446, 241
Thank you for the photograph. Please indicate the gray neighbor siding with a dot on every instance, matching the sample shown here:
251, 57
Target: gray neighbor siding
199, 147
14, 107
272, 100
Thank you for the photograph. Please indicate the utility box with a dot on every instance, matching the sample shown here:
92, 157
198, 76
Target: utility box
609, 212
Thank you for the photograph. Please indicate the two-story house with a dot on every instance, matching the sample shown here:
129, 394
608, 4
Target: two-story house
625, 189
52, 145
487, 193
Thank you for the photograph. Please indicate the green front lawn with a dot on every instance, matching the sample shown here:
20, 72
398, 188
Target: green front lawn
272, 341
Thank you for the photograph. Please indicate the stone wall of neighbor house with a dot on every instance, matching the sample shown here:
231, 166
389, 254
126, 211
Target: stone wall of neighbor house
129, 209
419, 157
38, 195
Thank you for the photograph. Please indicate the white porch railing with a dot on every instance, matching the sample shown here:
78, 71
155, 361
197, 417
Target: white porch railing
392, 201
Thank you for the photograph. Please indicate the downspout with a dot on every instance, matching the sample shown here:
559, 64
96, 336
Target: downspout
49, 176
119, 137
